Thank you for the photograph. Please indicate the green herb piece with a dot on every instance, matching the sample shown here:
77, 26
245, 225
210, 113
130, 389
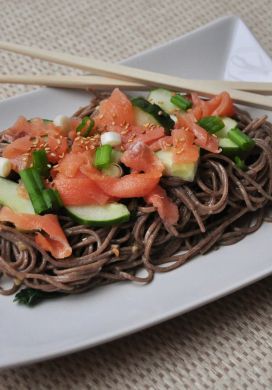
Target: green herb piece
31, 297
181, 102
240, 163
89, 129
241, 139
103, 156
34, 186
83, 124
52, 199
211, 123
43, 200
40, 162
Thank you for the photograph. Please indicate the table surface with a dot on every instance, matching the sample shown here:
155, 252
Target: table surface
226, 344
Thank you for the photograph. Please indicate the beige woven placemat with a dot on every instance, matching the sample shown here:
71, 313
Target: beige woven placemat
226, 344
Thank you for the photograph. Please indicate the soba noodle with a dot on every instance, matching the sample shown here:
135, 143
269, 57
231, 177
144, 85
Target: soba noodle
222, 206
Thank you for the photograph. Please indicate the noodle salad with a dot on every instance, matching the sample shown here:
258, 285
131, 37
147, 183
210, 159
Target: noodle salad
126, 188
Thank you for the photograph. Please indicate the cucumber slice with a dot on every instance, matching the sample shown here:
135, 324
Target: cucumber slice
229, 124
229, 148
95, 215
154, 110
142, 118
162, 97
185, 171
10, 197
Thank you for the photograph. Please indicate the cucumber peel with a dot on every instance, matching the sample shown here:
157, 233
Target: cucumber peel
96, 215
162, 117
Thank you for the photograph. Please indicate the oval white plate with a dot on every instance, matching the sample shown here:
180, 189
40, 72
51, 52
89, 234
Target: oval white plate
225, 49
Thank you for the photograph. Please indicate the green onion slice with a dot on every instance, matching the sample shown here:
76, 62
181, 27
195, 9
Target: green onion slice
43, 200
240, 163
211, 123
241, 139
40, 162
34, 186
52, 199
103, 157
181, 102
83, 124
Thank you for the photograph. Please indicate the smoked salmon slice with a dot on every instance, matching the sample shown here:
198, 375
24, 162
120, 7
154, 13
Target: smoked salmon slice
55, 241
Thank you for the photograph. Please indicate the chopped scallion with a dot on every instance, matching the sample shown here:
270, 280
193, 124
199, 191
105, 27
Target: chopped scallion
40, 162
211, 123
52, 199
89, 129
43, 200
34, 187
240, 163
241, 139
103, 156
83, 124
181, 102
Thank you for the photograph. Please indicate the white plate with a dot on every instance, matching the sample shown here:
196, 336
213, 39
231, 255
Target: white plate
223, 49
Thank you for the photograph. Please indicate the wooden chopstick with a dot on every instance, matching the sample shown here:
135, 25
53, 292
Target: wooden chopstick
133, 74
102, 83
81, 82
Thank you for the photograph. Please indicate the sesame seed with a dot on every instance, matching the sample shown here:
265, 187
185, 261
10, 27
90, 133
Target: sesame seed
124, 131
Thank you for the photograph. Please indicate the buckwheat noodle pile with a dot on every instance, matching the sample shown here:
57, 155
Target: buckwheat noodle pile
222, 206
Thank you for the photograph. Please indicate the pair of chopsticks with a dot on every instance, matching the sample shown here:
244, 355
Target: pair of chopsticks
109, 75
